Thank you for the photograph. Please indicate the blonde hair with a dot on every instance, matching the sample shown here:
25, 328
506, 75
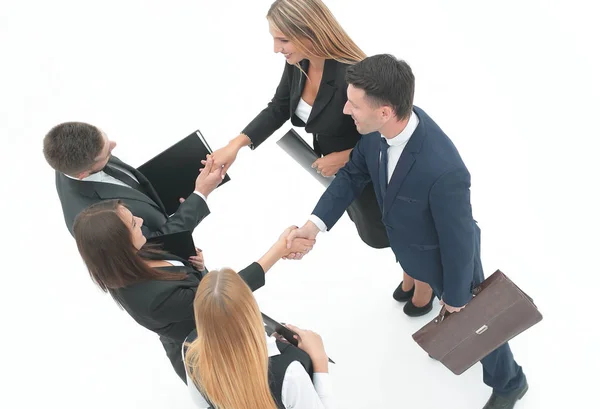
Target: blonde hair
311, 19
228, 362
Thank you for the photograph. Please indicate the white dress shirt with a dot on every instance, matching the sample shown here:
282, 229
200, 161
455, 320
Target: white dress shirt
102, 177
105, 178
297, 392
397, 144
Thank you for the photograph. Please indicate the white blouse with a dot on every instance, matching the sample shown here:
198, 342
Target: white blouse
303, 110
298, 392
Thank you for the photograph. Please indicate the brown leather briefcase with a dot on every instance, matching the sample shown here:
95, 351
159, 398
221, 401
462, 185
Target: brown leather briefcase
498, 312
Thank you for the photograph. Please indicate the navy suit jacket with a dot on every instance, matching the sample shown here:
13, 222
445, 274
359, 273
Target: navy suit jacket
426, 208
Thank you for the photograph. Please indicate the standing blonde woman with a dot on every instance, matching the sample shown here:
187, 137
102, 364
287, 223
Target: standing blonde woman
233, 364
312, 92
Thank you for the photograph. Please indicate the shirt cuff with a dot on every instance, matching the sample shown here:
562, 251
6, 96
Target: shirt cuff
201, 195
318, 222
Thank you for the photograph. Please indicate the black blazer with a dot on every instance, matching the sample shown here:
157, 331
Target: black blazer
166, 307
76, 195
332, 130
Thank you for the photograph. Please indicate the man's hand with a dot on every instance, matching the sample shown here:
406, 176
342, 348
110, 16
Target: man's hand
329, 165
209, 178
308, 231
299, 245
450, 308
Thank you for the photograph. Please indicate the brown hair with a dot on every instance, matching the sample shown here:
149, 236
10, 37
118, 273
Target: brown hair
311, 19
385, 80
72, 147
105, 244
228, 362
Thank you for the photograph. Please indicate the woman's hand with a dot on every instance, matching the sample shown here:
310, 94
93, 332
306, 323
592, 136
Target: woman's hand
329, 165
280, 249
197, 260
311, 343
225, 156
300, 246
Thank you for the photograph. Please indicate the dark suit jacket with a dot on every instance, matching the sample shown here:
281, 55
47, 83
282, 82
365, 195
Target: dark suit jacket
166, 307
333, 131
426, 208
76, 195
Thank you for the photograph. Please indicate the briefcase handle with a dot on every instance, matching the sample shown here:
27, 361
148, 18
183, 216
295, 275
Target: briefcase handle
444, 313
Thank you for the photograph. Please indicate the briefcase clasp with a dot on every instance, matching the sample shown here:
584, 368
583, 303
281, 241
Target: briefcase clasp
481, 330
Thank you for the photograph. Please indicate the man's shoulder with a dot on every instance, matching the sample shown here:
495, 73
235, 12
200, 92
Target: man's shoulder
66, 185
371, 139
438, 147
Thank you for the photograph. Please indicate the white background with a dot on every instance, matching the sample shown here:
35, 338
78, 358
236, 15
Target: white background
514, 84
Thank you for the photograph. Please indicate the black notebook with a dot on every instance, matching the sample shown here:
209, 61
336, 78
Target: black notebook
303, 154
180, 244
173, 172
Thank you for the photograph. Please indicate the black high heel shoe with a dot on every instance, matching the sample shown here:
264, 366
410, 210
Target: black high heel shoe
413, 311
402, 296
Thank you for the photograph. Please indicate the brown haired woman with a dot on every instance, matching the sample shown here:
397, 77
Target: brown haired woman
312, 92
156, 288
233, 364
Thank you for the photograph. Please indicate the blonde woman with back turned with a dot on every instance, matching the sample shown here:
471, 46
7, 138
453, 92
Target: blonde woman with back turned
233, 364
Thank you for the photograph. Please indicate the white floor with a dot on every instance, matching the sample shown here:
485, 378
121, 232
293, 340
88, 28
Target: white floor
514, 84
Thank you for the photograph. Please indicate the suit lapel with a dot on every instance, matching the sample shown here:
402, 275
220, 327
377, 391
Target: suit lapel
298, 86
405, 163
143, 181
327, 88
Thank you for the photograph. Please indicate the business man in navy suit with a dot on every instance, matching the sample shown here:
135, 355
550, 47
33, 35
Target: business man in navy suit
422, 187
